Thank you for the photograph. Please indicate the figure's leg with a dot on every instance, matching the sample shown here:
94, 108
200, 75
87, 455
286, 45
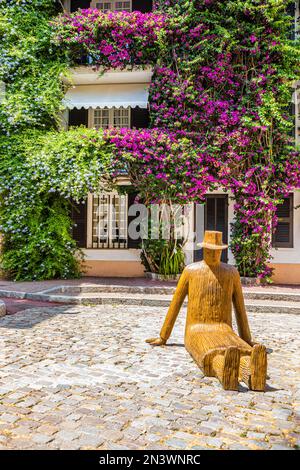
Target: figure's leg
253, 369
226, 368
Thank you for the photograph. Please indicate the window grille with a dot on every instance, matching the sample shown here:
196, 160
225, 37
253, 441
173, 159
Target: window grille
121, 118
113, 117
110, 221
101, 118
112, 6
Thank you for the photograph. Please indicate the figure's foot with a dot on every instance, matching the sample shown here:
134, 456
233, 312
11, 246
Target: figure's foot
258, 368
230, 376
225, 366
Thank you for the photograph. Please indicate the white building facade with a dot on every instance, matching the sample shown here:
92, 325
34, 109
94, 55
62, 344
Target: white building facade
120, 99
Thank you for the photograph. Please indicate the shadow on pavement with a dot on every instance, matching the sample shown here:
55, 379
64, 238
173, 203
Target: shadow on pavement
22, 313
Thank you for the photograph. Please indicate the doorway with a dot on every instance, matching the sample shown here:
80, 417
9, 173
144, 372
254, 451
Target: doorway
214, 215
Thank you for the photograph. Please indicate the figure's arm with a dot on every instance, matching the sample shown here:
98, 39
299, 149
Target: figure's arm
177, 301
240, 310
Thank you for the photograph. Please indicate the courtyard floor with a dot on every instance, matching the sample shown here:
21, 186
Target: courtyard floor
80, 377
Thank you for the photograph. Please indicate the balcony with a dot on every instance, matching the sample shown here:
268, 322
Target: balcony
114, 40
144, 6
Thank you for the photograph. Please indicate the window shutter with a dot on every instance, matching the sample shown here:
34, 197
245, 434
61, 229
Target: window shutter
293, 114
140, 118
75, 4
79, 218
142, 5
283, 237
131, 242
78, 117
291, 11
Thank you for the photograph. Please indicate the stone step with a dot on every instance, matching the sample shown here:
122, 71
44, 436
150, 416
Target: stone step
158, 300
249, 293
257, 300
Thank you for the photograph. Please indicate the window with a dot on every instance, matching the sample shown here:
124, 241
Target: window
113, 117
101, 118
110, 221
121, 118
74, 5
112, 6
283, 237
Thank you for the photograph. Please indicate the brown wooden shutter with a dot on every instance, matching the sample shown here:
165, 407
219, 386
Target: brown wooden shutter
291, 11
293, 115
79, 218
140, 118
283, 237
75, 4
142, 5
78, 117
132, 243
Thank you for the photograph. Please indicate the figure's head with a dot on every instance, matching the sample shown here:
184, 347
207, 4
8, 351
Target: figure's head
212, 247
212, 256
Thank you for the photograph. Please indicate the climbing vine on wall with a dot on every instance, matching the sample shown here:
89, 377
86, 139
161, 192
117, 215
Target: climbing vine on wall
40, 172
30, 67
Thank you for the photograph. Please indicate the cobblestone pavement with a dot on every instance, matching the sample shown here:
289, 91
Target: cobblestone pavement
82, 377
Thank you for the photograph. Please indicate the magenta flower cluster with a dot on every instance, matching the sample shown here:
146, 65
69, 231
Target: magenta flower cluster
113, 39
162, 165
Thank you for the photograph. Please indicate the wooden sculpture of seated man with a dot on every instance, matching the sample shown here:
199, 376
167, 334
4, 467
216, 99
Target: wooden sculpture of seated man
212, 287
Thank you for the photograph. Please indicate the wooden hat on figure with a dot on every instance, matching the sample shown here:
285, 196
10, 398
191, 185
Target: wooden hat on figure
213, 241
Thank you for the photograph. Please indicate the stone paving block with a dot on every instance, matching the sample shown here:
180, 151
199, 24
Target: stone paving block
67, 436
46, 429
8, 418
113, 446
88, 441
280, 447
255, 435
41, 438
176, 443
214, 442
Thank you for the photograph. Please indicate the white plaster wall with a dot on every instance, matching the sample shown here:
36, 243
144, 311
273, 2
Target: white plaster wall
230, 221
67, 5
112, 255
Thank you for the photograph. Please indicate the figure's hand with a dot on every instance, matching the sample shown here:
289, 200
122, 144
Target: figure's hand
156, 341
253, 343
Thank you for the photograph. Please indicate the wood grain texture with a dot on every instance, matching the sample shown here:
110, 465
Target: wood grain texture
212, 288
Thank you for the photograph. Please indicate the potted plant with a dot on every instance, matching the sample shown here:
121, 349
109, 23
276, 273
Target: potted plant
163, 259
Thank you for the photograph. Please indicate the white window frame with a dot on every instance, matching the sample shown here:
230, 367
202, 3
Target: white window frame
111, 117
122, 224
67, 5
113, 5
